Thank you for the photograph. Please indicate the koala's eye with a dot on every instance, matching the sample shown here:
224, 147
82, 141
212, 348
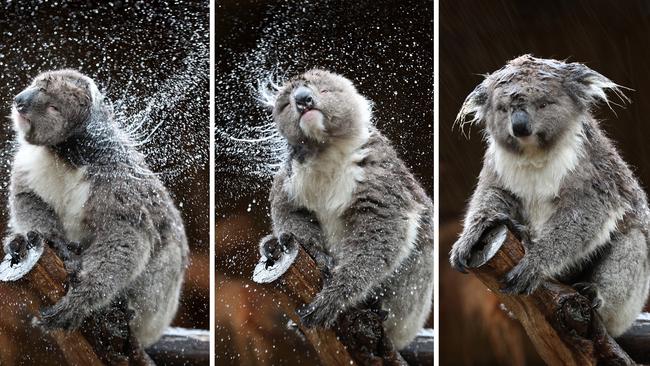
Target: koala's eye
324, 91
52, 108
544, 105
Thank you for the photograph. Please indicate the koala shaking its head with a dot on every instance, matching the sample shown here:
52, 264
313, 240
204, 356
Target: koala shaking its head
344, 194
77, 179
557, 181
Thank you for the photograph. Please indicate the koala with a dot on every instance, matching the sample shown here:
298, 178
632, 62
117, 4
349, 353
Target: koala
347, 198
77, 182
558, 182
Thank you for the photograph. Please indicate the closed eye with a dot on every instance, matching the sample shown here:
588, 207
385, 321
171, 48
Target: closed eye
52, 108
545, 104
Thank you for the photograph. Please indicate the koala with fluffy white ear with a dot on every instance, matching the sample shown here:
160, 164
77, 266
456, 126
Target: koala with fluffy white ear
344, 194
557, 181
76, 178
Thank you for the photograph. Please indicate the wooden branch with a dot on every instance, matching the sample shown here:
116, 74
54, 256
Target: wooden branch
559, 321
100, 341
358, 337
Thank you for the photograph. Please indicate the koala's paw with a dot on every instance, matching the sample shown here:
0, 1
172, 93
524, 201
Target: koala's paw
18, 245
273, 248
590, 291
523, 279
66, 250
61, 316
321, 312
472, 237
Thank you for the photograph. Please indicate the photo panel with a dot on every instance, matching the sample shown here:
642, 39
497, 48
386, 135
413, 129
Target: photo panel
324, 178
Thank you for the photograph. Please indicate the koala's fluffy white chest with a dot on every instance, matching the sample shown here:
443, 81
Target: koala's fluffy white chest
325, 186
63, 187
536, 179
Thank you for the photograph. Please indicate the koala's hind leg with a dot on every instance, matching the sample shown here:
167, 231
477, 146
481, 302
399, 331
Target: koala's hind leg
621, 281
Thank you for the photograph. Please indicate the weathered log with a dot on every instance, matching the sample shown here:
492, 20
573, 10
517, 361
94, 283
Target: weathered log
357, 338
559, 321
99, 341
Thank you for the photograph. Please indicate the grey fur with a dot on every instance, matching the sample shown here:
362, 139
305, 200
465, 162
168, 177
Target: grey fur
132, 239
596, 231
370, 260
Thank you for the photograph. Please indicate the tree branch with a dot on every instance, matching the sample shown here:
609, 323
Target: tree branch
559, 321
358, 335
105, 340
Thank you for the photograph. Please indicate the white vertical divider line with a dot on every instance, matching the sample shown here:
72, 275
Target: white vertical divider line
212, 198
436, 180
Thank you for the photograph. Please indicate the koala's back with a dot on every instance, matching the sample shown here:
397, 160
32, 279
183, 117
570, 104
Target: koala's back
139, 197
407, 292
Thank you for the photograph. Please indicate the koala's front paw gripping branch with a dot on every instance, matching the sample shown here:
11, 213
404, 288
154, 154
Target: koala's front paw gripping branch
357, 337
559, 321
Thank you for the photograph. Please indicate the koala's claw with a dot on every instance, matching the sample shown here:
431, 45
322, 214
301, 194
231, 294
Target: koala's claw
318, 314
520, 231
590, 291
59, 316
286, 240
523, 279
20, 244
459, 261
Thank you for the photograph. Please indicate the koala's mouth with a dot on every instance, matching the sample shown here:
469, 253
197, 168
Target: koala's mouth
304, 111
21, 121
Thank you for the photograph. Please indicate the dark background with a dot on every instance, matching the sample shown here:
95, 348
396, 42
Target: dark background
147, 56
386, 49
478, 37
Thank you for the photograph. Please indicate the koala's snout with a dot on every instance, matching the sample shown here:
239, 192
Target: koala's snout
521, 124
304, 98
24, 99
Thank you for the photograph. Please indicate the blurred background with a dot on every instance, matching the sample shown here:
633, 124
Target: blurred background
480, 37
151, 58
386, 48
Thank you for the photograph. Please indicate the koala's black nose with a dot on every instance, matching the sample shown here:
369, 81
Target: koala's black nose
24, 99
304, 98
521, 124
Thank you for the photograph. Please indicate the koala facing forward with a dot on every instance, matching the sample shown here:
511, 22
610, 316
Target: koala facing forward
77, 178
553, 176
344, 194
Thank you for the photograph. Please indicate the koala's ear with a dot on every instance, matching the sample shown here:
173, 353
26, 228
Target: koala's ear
588, 87
267, 93
473, 109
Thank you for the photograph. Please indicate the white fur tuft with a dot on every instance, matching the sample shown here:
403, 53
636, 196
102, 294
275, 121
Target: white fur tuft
597, 88
267, 91
473, 109
63, 187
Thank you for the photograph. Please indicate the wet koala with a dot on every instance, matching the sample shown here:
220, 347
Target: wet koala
346, 197
77, 179
557, 181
